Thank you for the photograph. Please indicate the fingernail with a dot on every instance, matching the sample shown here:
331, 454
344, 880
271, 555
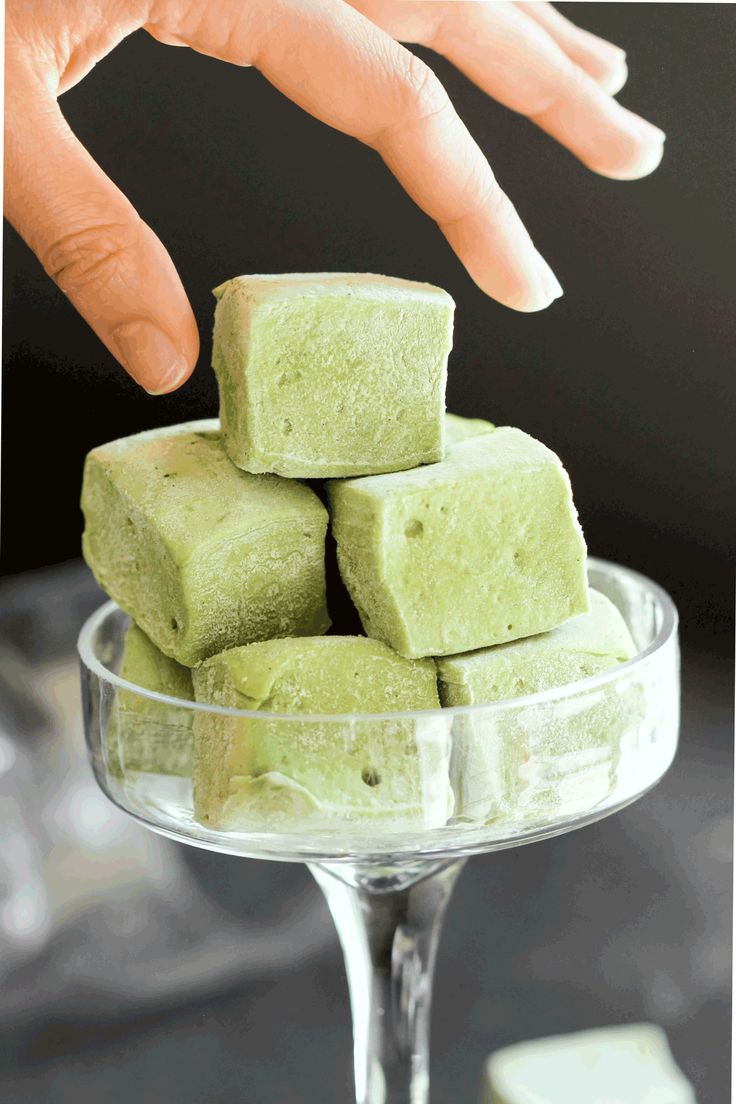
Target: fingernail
538, 293
605, 50
550, 283
613, 54
150, 356
645, 130
171, 381
616, 79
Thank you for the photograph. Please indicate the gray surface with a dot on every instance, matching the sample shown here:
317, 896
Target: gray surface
628, 919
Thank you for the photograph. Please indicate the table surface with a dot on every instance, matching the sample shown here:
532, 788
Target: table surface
626, 920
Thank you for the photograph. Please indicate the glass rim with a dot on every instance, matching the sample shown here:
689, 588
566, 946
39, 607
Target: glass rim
667, 630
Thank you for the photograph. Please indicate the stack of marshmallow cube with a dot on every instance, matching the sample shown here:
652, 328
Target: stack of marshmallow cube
457, 541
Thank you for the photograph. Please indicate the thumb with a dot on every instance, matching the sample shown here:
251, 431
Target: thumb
93, 243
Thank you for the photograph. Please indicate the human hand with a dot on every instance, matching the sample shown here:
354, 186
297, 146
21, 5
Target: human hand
344, 65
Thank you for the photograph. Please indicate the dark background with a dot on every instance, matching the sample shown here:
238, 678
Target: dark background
628, 377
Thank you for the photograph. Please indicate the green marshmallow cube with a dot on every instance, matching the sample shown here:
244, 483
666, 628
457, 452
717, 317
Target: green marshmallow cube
251, 771
459, 429
579, 648
144, 734
331, 374
625, 1064
539, 760
481, 548
202, 556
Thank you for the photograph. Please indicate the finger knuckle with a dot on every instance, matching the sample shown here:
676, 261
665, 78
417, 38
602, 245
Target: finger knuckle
483, 196
499, 206
92, 254
423, 93
570, 84
577, 82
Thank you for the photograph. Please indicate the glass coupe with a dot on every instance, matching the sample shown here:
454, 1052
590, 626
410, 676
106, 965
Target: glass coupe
487, 777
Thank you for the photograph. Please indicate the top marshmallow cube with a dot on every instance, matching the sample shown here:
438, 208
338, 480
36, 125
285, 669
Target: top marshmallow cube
326, 375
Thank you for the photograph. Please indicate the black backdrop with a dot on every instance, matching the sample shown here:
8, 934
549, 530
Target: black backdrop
628, 377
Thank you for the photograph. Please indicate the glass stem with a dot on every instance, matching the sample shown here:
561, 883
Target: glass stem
388, 920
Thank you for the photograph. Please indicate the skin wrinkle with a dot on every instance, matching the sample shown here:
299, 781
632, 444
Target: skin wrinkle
504, 210
39, 75
90, 253
78, 206
576, 88
427, 99
172, 26
470, 163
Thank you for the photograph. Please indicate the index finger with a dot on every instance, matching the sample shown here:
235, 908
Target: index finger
344, 70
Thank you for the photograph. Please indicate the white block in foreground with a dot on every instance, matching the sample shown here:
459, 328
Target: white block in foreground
627, 1064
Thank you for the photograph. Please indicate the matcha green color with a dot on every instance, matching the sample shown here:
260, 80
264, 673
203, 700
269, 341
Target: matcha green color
331, 374
202, 556
247, 771
459, 429
576, 650
625, 1064
481, 548
536, 761
143, 734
